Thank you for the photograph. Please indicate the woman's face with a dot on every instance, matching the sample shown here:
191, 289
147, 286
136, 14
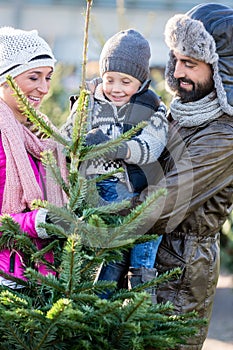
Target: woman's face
34, 83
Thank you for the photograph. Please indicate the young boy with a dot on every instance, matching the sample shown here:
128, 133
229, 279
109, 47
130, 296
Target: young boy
121, 99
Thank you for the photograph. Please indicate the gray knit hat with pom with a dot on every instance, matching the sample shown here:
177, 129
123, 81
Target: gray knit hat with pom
204, 33
22, 50
126, 52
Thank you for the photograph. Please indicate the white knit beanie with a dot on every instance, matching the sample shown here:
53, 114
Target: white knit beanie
22, 50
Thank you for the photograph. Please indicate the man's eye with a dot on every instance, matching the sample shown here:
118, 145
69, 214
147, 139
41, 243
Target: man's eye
189, 65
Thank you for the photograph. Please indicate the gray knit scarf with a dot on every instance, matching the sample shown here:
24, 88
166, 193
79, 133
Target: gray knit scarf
196, 113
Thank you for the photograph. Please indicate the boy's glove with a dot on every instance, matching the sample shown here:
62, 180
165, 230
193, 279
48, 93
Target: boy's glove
96, 136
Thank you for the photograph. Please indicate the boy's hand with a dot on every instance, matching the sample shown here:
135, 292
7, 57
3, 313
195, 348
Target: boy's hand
95, 137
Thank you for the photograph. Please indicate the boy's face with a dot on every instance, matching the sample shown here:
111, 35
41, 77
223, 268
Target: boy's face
119, 87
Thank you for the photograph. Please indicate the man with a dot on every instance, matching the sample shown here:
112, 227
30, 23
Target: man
197, 166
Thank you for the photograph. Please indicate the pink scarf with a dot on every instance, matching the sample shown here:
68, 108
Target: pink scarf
21, 187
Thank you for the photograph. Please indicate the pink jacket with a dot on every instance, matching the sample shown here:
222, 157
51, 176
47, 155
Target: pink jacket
26, 221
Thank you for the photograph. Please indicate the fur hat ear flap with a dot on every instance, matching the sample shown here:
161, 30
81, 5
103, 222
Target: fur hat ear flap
170, 81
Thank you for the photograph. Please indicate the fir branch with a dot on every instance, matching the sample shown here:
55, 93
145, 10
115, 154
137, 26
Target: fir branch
50, 163
79, 131
57, 214
58, 308
8, 225
77, 193
106, 176
38, 255
11, 278
110, 207
29, 111
9, 299
12, 335
13, 237
103, 148
79, 126
71, 265
49, 281
18, 242
97, 234
158, 280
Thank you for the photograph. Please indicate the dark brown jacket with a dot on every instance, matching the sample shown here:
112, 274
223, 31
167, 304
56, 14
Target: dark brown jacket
197, 171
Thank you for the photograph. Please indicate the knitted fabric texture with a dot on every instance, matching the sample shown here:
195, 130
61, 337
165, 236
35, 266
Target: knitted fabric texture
21, 187
196, 113
126, 52
189, 36
22, 50
145, 148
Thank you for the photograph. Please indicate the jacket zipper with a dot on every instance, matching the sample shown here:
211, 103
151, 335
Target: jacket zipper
12, 262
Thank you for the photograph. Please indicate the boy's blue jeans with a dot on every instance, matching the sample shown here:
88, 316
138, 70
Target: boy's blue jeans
114, 271
143, 254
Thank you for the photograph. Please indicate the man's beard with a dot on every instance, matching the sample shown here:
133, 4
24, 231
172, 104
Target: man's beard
199, 91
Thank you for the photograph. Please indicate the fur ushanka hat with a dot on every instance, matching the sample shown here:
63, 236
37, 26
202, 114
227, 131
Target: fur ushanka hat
205, 33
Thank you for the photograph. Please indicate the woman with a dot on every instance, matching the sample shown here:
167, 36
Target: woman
29, 60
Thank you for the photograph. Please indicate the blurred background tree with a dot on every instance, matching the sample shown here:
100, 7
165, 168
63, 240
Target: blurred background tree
227, 244
56, 103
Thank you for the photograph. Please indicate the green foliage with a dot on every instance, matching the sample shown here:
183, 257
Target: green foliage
158, 85
67, 313
227, 244
89, 323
